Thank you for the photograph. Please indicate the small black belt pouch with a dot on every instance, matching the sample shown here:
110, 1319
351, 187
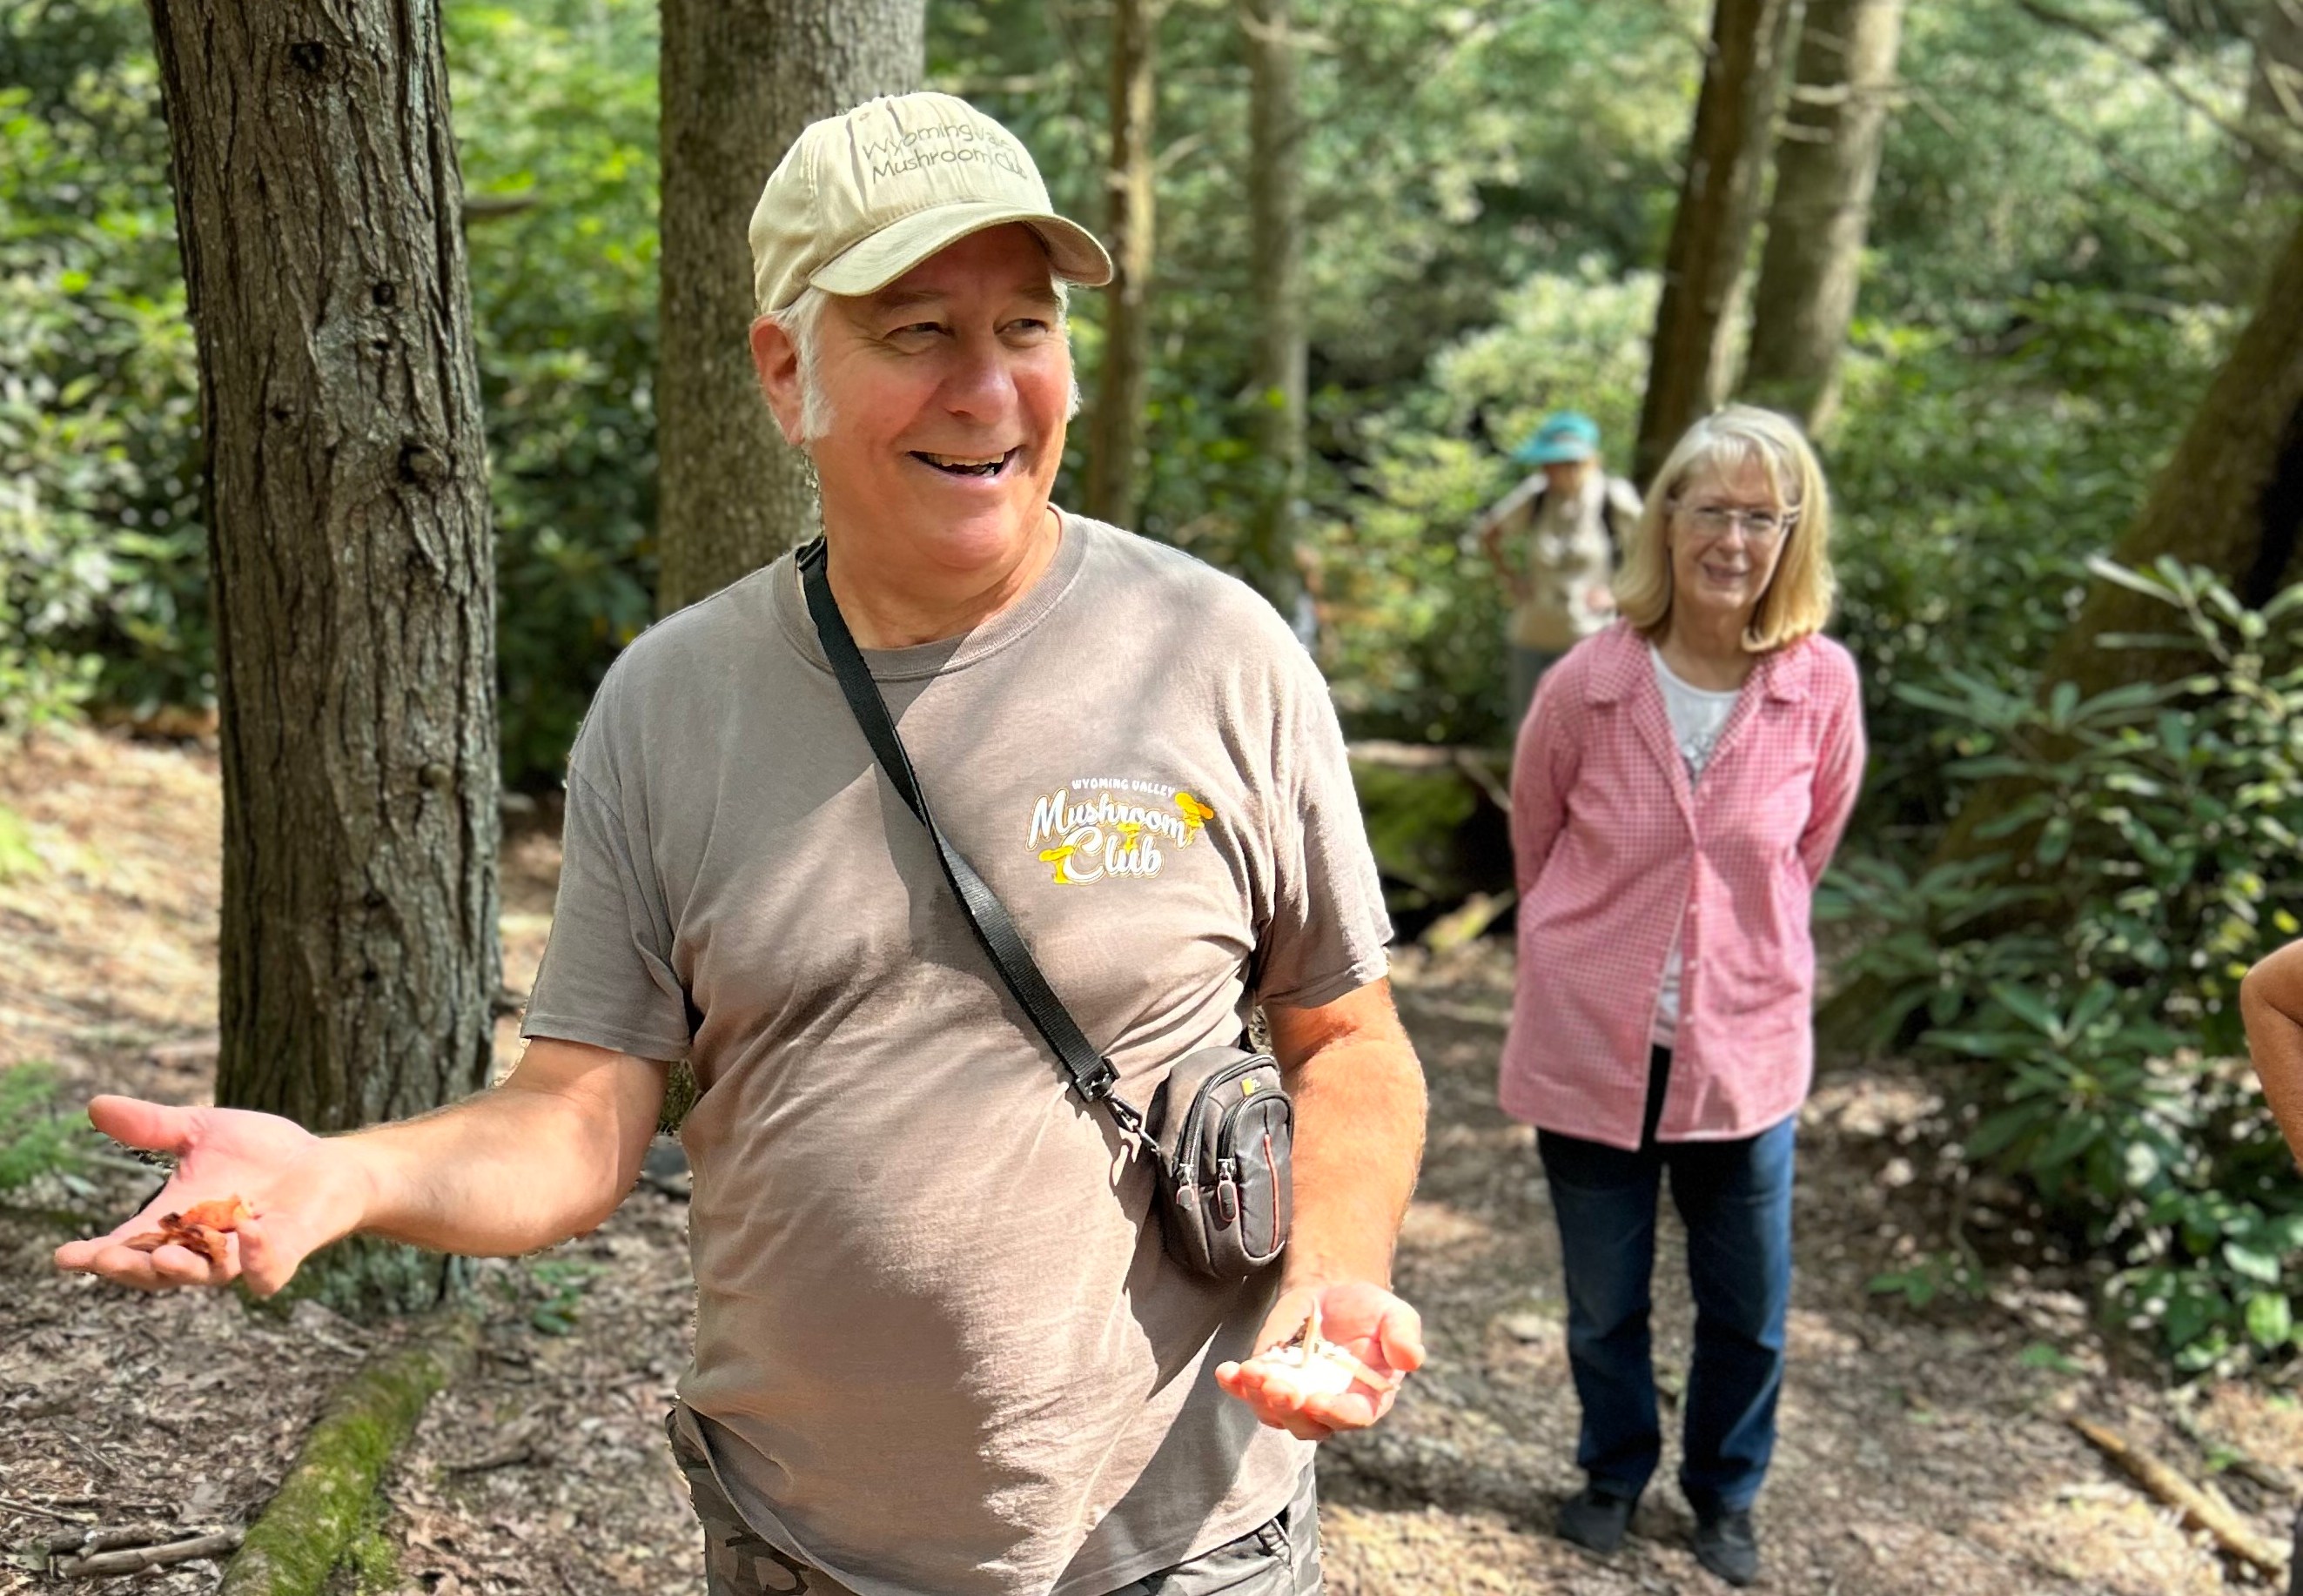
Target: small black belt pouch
1221, 1127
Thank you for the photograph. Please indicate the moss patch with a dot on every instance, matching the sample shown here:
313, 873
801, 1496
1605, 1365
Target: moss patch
323, 1505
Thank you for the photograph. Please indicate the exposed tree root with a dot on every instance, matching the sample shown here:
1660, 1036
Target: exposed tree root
318, 1511
2203, 1508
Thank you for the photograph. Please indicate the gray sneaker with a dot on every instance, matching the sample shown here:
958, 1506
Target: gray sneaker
1724, 1544
1595, 1518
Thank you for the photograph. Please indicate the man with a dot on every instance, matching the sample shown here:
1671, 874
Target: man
1553, 541
2271, 1006
938, 1348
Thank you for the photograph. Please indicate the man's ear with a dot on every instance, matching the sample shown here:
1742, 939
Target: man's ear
776, 357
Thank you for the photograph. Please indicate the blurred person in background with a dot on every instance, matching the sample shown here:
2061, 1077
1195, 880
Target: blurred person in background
1677, 790
1554, 541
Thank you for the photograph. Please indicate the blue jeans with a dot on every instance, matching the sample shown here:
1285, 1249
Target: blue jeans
1736, 1200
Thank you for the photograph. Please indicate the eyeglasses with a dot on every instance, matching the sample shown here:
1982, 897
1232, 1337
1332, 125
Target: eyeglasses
1762, 526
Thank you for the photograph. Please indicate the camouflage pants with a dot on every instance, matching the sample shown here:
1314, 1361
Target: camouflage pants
1280, 1558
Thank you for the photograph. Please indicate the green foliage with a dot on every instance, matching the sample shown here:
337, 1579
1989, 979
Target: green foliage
558, 1284
1930, 1276
17, 854
2094, 997
103, 557
555, 100
101, 548
2054, 260
38, 1136
2053, 1360
1972, 477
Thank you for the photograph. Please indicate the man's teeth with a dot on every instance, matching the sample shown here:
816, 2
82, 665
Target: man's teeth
963, 464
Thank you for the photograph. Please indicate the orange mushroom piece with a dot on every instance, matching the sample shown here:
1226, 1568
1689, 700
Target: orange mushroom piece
199, 1228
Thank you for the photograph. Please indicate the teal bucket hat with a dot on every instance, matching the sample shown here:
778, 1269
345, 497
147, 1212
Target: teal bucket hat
1567, 436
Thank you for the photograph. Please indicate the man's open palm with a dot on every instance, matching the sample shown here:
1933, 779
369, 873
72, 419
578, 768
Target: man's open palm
300, 1195
1370, 1323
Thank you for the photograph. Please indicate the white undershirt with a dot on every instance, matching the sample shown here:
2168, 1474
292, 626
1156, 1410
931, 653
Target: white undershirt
1697, 716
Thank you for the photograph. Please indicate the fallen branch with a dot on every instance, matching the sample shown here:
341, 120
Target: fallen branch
81, 1543
104, 1565
60, 1513
2205, 1509
300, 1536
519, 1457
1460, 925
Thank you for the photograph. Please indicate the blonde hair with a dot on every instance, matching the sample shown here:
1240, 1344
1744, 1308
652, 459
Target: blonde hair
1798, 599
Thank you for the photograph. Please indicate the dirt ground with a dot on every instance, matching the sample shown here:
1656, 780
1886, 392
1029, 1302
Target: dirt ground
1922, 1450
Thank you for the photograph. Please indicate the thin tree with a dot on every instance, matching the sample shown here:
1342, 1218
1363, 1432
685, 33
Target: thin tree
1275, 203
738, 80
1711, 230
318, 204
1116, 428
1826, 165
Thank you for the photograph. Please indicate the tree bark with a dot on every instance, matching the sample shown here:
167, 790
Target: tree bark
1275, 202
2274, 96
1826, 165
2230, 499
318, 203
1711, 230
1116, 433
740, 79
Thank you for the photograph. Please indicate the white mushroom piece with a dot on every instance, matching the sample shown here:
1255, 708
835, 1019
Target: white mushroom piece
1308, 1365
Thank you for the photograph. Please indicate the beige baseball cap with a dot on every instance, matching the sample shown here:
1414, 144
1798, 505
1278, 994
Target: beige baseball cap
860, 199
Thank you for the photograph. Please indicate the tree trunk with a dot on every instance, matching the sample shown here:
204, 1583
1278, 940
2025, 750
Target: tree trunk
319, 205
1117, 429
1712, 231
1826, 164
740, 79
1275, 203
2274, 96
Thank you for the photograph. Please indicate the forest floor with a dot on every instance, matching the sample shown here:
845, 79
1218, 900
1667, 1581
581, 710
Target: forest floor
1923, 1450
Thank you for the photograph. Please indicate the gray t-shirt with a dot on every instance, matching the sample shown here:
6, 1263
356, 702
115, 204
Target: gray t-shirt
937, 1342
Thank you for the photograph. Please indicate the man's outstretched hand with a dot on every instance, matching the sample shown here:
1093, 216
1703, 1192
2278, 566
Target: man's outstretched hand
1374, 1326
301, 1191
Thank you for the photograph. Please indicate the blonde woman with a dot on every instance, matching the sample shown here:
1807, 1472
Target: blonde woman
1677, 790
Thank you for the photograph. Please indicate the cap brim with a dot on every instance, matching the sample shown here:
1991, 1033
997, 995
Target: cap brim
870, 265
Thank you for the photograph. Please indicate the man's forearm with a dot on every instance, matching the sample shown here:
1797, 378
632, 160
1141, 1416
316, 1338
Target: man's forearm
512, 1170
1358, 1141
2271, 1003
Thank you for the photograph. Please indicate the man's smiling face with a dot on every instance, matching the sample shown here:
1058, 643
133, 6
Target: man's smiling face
947, 392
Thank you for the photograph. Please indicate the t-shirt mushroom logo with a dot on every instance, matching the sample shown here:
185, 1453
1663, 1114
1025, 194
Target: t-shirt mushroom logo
1101, 828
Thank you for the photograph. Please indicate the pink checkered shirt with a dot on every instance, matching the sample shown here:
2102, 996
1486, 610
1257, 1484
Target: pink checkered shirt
1617, 854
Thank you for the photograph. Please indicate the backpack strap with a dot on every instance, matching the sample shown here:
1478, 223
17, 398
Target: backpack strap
1090, 1074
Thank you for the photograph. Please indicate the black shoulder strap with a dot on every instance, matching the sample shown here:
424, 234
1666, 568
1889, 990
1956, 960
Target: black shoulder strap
1607, 525
1091, 1074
